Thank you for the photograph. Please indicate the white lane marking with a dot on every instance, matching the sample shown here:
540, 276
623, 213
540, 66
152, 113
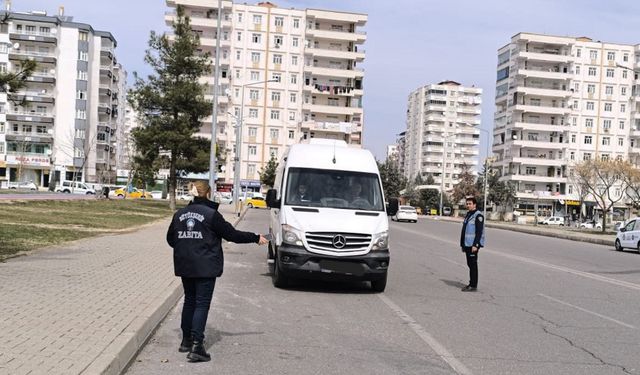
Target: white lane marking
587, 275
454, 262
440, 350
587, 311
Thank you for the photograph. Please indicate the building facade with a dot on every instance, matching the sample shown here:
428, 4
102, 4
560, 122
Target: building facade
560, 100
308, 55
442, 133
64, 121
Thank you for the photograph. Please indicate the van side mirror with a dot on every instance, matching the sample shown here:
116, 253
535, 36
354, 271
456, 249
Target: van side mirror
393, 207
272, 199
623, 229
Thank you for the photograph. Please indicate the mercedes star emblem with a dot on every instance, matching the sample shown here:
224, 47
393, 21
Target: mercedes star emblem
339, 241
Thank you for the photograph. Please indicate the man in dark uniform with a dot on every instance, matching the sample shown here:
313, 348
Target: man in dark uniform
196, 234
471, 240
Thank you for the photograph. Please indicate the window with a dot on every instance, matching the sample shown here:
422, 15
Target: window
240, 17
606, 124
83, 56
621, 125
255, 76
3, 48
591, 89
273, 152
611, 56
530, 170
239, 36
593, 54
577, 86
578, 52
588, 139
277, 59
296, 23
590, 106
620, 141
257, 19
625, 57
279, 21
294, 42
236, 92
253, 132
237, 73
102, 136
81, 114
275, 114
275, 96
251, 169
333, 102
238, 54
277, 40
606, 157
586, 156
294, 79
78, 153
624, 74
606, 141
572, 155
292, 97
81, 95
83, 36
592, 71
292, 116
253, 150
608, 90
256, 38
575, 104
255, 57
253, 113
294, 60
80, 133
274, 133
82, 75
610, 73
577, 69
276, 77
291, 134
588, 123
254, 94
623, 108
623, 91
608, 107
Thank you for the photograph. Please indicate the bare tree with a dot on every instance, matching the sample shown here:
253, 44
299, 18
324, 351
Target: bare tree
70, 147
580, 188
604, 180
632, 180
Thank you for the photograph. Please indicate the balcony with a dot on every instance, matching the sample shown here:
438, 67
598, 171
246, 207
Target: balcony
33, 36
549, 57
336, 54
33, 97
540, 127
533, 178
325, 89
558, 110
544, 91
540, 161
357, 37
544, 73
541, 144
39, 57
197, 20
332, 127
33, 137
40, 77
330, 109
30, 116
331, 72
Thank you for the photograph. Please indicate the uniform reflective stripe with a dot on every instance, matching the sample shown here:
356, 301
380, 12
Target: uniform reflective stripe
470, 232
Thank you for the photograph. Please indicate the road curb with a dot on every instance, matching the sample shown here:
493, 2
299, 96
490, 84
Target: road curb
118, 355
565, 236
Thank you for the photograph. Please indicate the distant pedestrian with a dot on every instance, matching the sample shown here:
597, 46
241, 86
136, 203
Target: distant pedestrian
471, 240
196, 234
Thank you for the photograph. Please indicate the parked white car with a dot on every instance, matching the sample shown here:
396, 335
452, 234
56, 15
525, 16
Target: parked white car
25, 185
156, 194
406, 213
591, 225
554, 220
75, 188
223, 197
629, 235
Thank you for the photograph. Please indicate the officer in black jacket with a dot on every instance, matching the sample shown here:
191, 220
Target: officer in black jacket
471, 240
196, 234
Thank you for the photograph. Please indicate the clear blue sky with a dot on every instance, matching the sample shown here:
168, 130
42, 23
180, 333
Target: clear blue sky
410, 43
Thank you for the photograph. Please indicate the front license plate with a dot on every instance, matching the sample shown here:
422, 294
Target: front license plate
342, 267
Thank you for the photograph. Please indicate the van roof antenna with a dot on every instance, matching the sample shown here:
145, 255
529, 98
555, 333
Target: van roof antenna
334, 153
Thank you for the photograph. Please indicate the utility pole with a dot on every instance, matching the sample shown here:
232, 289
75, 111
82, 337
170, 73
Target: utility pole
214, 116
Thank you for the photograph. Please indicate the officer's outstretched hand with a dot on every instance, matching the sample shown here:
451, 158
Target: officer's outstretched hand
263, 240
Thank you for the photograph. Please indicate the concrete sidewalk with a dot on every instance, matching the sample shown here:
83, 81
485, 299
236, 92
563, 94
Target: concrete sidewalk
574, 234
88, 306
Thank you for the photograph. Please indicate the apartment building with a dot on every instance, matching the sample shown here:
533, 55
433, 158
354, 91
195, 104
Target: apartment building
560, 100
68, 122
308, 57
442, 132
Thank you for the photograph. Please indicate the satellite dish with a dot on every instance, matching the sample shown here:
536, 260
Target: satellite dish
52, 71
16, 45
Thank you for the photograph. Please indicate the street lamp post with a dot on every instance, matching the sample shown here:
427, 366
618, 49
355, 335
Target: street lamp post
214, 115
239, 120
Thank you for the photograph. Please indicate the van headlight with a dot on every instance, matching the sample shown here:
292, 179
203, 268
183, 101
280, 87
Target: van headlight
291, 235
381, 241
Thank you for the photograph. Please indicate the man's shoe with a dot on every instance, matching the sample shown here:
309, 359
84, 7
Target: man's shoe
186, 344
469, 288
198, 353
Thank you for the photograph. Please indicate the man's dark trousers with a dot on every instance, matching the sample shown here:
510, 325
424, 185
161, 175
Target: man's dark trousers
197, 300
472, 262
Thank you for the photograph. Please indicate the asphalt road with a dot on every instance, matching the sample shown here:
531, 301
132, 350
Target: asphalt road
544, 306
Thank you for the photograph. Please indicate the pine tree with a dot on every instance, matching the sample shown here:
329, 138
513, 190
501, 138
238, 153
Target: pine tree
268, 172
466, 185
172, 104
392, 180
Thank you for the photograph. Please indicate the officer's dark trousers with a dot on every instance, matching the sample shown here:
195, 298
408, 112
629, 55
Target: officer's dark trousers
472, 262
197, 300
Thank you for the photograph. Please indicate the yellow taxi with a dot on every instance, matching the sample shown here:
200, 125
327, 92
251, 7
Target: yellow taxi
134, 194
256, 202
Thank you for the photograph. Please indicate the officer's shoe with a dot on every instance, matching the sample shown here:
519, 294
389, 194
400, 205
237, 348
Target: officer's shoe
186, 344
198, 353
469, 288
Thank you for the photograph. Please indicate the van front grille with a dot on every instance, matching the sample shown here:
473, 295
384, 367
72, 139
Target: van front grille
338, 242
